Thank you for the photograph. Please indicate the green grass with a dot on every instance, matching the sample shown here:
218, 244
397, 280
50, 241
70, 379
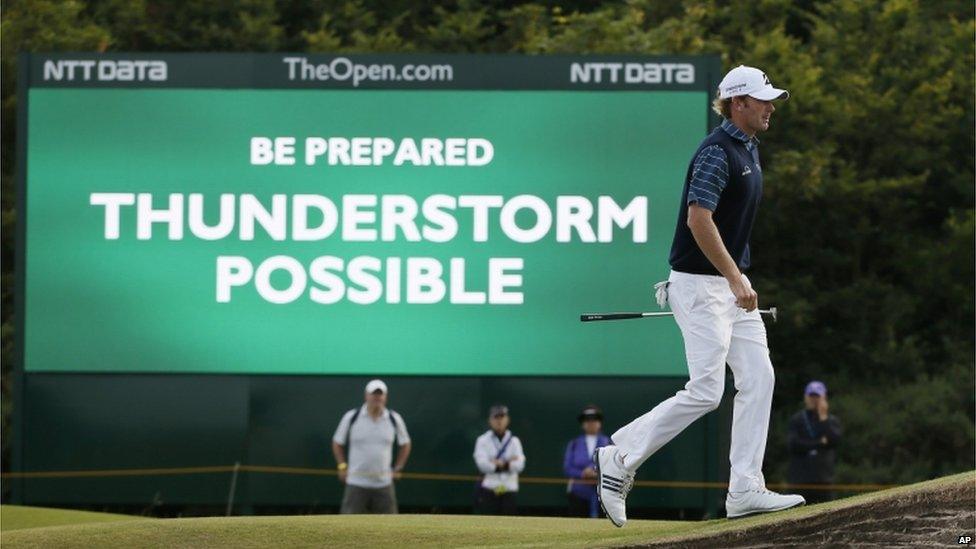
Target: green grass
16, 517
407, 530
346, 531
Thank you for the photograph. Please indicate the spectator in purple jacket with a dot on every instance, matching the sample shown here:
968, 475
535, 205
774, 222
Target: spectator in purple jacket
579, 467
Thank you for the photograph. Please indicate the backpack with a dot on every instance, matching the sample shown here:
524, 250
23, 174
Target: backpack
352, 421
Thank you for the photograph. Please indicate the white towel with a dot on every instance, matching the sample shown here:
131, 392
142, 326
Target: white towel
661, 293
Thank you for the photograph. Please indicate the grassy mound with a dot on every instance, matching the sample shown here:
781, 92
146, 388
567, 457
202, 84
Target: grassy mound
795, 527
16, 517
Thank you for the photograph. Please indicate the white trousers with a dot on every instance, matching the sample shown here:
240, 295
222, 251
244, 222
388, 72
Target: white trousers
716, 331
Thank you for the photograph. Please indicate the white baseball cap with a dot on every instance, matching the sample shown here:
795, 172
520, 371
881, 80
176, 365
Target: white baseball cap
750, 81
376, 385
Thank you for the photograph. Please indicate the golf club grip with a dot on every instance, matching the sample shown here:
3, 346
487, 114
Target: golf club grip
592, 317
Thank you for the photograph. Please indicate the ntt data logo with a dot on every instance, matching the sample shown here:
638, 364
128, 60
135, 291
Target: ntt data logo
105, 70
632, 73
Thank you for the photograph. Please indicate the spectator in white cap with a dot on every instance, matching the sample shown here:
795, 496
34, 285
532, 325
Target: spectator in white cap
363, 449
715, 308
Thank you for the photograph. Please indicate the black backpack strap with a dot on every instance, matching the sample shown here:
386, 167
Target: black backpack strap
355, 416
395, 429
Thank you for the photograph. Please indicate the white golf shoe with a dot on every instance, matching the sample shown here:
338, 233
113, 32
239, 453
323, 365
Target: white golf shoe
613, 483
753, 502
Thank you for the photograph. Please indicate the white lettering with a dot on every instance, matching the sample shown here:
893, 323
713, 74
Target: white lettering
399, 210
367, 286
543, 218
424, 284
353, 217
499, 280
480, 204
611, 214
574, 212
300, 203
113, 203
231, 271
273, 222
321, 273
296, 286
225, 223
459, 295
171, 216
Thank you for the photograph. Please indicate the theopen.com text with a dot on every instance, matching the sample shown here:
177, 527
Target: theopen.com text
342, 69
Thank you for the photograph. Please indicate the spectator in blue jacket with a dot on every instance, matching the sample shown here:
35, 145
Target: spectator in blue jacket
813, 438
579, 467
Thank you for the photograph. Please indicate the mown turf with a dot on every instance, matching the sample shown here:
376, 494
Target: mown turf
345, 531
16, 517
410, 530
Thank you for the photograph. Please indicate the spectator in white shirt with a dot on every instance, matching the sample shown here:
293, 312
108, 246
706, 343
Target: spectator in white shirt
498, 455
363, 449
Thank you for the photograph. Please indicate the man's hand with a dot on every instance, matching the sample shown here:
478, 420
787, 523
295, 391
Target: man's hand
745, 296
589, 472
709, 240
342, 476
397, 473
823, 408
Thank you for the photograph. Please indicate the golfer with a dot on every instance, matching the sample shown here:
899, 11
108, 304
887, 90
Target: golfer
715, 308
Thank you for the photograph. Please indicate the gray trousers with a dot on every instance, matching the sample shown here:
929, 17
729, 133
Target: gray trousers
359, 500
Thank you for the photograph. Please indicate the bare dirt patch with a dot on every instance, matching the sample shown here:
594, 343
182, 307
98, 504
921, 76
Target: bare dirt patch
927, 517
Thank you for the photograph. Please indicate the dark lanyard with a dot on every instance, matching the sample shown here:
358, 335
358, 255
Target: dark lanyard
501, 451
806, 420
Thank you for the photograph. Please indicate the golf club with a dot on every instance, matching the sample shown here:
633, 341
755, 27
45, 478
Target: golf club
593, 317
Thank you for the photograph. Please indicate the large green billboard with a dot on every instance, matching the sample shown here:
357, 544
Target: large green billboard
197, 220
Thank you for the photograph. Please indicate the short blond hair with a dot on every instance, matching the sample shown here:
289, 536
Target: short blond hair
722, 107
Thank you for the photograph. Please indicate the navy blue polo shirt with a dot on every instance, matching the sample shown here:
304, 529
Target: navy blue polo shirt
725, 177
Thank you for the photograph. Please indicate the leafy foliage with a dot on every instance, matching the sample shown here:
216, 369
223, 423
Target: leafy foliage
866, 235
